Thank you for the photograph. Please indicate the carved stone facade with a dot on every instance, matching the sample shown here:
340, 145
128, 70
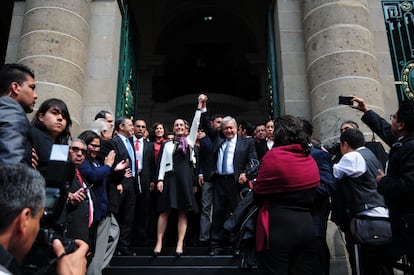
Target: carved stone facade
324, 48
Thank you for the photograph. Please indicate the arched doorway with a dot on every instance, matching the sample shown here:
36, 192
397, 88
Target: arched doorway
217, 47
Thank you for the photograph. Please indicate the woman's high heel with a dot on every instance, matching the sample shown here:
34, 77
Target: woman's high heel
156, 253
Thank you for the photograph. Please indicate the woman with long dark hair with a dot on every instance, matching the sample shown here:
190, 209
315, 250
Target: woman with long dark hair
51, 125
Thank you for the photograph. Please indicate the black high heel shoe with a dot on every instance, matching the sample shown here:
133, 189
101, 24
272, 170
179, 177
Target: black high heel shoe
156, 253
178, 254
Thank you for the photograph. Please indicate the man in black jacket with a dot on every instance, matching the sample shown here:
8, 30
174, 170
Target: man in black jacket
397, 184
145, 163
124, 181
17, 97
231, 162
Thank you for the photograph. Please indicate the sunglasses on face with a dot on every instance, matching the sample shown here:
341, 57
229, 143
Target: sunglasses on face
77, 149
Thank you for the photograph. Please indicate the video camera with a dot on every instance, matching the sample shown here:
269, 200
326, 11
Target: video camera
58, 174
332, 149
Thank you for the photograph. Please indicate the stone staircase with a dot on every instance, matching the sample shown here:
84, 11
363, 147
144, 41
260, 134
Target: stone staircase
194, 261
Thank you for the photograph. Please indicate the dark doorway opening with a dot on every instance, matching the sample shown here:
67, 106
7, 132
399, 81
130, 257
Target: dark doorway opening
6, 13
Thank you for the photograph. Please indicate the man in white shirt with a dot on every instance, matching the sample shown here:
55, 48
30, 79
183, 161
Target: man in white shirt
356, 172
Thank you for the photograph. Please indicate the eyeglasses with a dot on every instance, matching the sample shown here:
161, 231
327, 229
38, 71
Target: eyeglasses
94, 145
77, 149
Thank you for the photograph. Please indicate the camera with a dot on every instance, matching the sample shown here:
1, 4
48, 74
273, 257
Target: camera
58, 176
332, 149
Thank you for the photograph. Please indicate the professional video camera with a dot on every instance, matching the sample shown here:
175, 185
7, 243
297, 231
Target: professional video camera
58, 174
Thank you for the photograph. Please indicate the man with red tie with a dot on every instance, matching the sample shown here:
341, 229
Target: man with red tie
80, 198
145, 166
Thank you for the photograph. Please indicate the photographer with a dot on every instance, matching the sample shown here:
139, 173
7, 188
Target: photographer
22, 202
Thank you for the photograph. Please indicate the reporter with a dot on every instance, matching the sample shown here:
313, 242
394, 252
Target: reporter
22, 202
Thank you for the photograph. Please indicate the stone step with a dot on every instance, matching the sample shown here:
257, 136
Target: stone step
195, 259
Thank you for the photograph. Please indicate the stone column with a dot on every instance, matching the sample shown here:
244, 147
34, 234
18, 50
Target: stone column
340, 61
54, 42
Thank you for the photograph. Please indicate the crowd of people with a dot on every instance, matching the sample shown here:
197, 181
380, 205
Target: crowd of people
127, 180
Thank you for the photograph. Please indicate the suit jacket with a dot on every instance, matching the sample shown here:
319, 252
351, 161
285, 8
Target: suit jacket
78, 215
205, 157
148, 165
261, 148
115, 178
244, 152
398, 185
97, 176
15, 136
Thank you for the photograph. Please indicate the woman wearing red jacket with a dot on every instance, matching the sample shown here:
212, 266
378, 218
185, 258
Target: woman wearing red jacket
285, 187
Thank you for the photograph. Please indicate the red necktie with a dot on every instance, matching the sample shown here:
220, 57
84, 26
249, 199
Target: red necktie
136, 154
78, 175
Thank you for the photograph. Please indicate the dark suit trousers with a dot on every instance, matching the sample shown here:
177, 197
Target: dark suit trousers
142, 213
226, 198
125, 215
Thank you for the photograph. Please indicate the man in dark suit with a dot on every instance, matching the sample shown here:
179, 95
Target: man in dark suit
232, 157
80, 199
260, 140
124, 181
145, 163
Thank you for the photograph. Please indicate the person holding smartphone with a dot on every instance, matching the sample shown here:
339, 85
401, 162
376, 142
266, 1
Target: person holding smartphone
81, 199
396, 183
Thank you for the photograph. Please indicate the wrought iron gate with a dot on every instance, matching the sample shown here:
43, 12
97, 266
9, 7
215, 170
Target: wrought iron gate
127, 71
399, 20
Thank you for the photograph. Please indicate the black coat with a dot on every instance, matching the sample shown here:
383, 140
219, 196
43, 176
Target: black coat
244, 152
398, 186
15, 136
115, 178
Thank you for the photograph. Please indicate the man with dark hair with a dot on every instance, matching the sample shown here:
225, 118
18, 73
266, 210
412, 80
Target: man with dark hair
124, 182
216, 120
397, 184
17, 97
205, 164
260, 139
245, 129
145, 165
22, 201
356, 172
375, 146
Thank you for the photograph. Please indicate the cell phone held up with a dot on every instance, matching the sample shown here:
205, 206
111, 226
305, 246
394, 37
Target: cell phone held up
345, 100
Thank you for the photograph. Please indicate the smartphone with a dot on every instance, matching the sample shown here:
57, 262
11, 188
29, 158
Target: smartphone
87, 188
345, 100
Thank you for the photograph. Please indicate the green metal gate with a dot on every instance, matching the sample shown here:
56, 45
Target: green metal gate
399, 20
127, 71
